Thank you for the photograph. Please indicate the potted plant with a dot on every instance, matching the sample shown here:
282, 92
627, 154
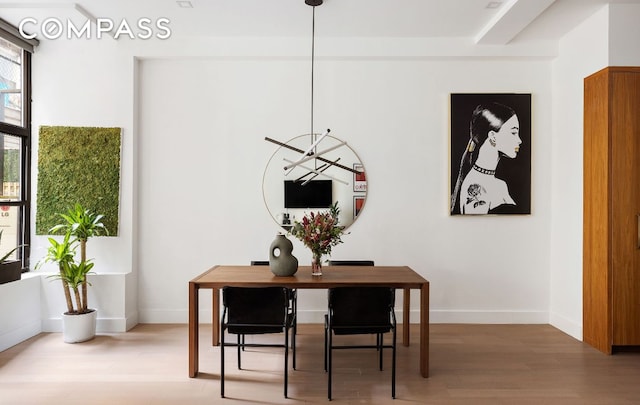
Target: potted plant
82, 224
79, 322
10, 269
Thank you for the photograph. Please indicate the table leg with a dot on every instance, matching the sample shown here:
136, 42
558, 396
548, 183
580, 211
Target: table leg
215, 317
193, 330
424, 330
406, 305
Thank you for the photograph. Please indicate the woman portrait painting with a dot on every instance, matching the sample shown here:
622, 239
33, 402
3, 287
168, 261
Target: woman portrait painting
490, 148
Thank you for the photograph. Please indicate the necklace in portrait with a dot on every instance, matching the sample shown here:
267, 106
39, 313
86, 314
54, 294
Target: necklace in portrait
483, 171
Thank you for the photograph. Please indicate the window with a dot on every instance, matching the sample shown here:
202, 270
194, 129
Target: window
15, 142
10, 83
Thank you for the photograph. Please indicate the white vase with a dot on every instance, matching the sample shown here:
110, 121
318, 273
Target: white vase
79, 328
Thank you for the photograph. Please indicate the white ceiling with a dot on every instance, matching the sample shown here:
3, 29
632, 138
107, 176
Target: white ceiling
510, 21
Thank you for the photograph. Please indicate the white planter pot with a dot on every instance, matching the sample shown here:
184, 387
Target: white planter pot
79, 328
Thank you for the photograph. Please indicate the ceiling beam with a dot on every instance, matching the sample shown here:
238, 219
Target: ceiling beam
510, 20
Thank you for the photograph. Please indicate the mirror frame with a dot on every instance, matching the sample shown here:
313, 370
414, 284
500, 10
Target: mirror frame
350, 197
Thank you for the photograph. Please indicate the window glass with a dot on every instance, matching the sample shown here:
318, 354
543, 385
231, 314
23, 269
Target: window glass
9, 222
10, 83
10, 163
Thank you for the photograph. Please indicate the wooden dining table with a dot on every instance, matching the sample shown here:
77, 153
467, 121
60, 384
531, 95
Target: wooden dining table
217, 277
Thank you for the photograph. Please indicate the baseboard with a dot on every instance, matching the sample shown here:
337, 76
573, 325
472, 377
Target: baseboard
317, 316
566, 325
487, 317
132, 320
103, 325
171, 316
18, 335
108, 325
180, 316
440, 316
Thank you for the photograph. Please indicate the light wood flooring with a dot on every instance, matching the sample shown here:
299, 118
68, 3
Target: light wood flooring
470, 364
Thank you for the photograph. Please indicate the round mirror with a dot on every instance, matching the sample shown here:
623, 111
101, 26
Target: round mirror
293, 186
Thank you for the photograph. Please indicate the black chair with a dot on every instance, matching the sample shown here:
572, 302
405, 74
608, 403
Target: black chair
256, 311
351, 263
293, 294
356, 311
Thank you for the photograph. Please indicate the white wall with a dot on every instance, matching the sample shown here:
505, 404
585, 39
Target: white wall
583, 51
202, 125
89, 83
608, 38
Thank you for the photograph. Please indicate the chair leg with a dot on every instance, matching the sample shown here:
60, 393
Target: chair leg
393, 366
295, 312
330, 360
222, 363
240, 346
380, 347
325, 343
293, 344
286, 361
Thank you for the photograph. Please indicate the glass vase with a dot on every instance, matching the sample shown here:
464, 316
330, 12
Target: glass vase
316, 265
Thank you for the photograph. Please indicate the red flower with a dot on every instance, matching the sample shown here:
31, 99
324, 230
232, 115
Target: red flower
319, 231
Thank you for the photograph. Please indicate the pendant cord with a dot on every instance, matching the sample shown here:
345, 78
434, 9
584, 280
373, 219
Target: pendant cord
313, 31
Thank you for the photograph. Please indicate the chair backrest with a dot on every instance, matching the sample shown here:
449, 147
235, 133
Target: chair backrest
361, 306
351, 263
264, 305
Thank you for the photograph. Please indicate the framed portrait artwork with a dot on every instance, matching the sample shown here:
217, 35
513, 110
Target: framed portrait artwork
490, 154
358, 203
359, 179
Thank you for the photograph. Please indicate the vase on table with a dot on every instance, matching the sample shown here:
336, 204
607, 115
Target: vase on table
316, 264
281, 261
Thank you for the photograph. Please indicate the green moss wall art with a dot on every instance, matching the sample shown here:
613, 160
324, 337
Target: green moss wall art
78, 165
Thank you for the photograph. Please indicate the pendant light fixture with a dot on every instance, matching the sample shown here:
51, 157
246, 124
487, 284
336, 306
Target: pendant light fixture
313, 4
311, 153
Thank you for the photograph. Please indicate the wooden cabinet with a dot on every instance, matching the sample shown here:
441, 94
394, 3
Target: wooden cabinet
611, 248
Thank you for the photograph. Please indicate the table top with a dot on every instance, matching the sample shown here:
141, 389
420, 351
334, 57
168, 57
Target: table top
332, 276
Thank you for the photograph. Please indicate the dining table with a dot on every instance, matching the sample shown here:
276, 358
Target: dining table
220, 276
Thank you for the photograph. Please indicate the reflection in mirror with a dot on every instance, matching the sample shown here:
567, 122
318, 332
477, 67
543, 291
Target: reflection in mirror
292, 187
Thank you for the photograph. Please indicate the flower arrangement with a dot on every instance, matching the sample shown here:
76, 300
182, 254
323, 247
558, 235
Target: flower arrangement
319, 231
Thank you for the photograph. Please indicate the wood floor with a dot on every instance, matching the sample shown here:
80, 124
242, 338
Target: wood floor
470, 364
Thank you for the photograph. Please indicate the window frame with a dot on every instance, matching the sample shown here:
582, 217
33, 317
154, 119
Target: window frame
24, 133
